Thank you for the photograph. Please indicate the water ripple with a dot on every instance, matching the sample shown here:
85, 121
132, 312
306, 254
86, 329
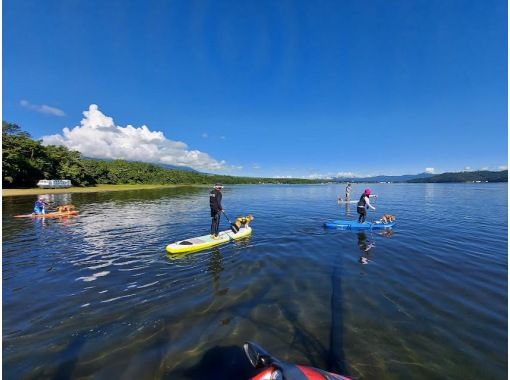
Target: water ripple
103, 298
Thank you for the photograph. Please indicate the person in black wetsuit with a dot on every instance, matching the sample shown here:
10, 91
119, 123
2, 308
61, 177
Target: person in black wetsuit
363, 204
216, 209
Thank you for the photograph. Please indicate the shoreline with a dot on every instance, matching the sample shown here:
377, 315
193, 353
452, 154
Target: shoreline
126, 187
92, 189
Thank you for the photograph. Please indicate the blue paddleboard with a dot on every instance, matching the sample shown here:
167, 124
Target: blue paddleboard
354, 225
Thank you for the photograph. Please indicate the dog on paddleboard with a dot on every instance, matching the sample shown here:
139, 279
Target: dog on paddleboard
387, 218
241, 222
65, 208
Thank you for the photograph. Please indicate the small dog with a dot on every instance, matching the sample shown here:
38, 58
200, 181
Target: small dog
242, 221
387, 218
65, 208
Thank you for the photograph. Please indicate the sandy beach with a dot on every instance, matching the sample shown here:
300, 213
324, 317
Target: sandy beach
94, 189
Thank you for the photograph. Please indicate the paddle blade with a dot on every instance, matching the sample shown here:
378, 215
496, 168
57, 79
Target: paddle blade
234, 228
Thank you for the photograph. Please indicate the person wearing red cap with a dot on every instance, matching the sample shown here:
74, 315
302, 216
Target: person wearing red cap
216, 209
363, 204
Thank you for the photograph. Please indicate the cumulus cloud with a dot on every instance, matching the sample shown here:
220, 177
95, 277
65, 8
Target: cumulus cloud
99, 137
467, 168
345, 174
317, 176
429, 170
502, 167
42, 108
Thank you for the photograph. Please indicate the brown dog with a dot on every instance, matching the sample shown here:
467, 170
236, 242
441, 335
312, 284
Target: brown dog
65, 208
387, 218
242, 221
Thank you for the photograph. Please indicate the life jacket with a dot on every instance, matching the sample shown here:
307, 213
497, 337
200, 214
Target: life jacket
215, 200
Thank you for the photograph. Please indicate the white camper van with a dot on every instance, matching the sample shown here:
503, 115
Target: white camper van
54, 183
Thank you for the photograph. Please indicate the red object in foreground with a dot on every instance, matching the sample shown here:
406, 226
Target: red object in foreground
275, 369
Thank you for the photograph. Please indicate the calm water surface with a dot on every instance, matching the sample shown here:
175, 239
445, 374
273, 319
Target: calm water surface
97, 297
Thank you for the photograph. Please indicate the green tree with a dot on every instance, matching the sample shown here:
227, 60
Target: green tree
22, 157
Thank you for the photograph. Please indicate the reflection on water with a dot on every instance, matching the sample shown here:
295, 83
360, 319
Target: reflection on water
97, 295
365, 244
215, 267
364, 247
347, 210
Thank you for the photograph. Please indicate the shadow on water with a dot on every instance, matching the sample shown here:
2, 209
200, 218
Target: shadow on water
69, 358
336, 356
221, 363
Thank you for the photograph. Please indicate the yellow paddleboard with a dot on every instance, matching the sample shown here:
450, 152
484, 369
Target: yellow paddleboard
206, 241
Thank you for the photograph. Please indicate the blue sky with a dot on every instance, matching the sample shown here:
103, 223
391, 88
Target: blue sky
264, 88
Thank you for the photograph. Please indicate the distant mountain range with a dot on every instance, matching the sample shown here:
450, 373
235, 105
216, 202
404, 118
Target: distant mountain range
385, 178
476, 176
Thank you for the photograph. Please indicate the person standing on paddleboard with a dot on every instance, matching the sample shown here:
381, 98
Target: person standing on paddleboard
39, 206
348, 190
363, 204
216, 209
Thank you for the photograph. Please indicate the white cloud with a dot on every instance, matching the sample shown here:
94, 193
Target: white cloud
502, 167
99, 137
484, 168
345, 174
317, 176
256, 166
205, 135
429, 170
467, 169
43, 108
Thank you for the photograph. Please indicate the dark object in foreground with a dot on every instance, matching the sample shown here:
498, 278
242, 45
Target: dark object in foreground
275, 369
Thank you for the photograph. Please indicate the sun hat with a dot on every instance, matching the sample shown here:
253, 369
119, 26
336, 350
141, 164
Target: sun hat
367, 192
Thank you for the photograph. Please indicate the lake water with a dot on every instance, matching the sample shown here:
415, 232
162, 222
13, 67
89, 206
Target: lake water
97, 296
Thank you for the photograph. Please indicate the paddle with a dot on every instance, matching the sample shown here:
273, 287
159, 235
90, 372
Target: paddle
233, 226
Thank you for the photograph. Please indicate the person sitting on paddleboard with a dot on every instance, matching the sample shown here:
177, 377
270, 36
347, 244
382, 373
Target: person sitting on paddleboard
216, 209
39, 206
363, 204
